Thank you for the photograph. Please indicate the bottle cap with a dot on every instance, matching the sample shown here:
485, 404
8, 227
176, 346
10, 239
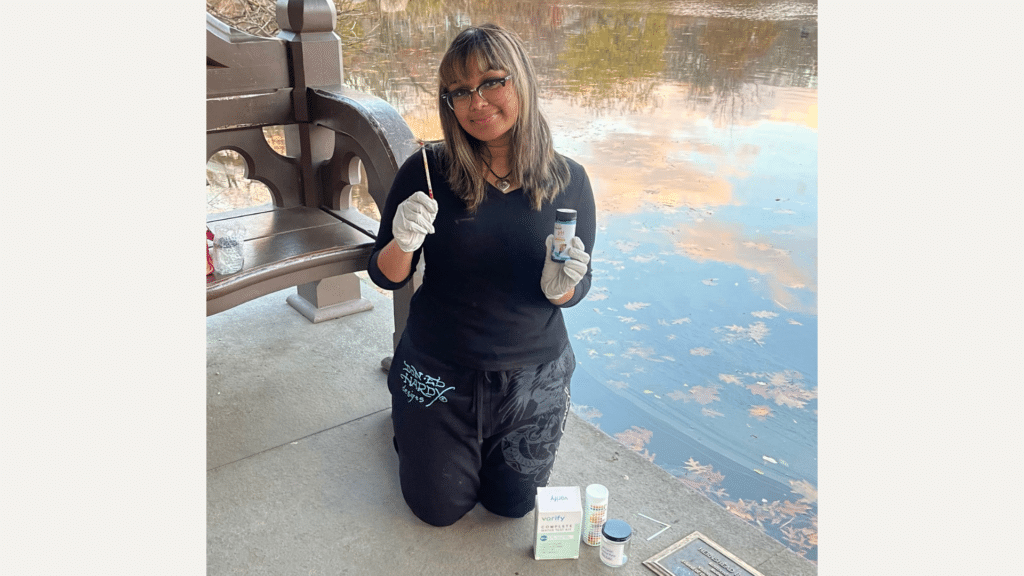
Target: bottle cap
596, 494
565, 215
617, 530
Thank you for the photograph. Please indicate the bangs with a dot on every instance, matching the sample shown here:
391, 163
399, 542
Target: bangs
491, 51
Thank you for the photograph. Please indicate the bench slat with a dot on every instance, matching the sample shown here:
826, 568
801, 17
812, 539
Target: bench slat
358, 220
333, 239
286, 248
237, 112
272, 221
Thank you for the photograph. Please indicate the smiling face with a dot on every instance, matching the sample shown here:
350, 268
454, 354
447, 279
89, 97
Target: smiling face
489, 120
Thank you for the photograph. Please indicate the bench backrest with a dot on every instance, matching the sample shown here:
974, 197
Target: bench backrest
295, 81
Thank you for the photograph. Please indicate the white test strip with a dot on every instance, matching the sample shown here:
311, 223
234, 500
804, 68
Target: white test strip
426, 168
666, 526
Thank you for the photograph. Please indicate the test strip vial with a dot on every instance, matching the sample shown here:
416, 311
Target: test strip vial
565, 229
594, 514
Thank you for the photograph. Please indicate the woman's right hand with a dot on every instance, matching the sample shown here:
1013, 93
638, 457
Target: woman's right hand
414, 219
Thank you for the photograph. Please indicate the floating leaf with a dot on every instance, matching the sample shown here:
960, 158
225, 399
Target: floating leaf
805, 489
635, 438
704, 395
783, 399
756, 332
785, 388
626, 246
740, 508
703, 478
759, 389
794, 508
695, 466
588, 413
729, 379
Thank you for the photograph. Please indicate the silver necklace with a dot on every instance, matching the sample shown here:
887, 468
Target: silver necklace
503, 183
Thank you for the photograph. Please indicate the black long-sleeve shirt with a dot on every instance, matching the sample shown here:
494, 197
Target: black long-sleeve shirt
480, 305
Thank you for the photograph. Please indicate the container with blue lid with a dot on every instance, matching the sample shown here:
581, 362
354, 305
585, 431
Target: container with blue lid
615, 542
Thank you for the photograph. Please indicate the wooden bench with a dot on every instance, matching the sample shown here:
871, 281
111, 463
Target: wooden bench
311, 237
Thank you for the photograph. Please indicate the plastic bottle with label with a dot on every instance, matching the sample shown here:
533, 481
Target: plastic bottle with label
594, 514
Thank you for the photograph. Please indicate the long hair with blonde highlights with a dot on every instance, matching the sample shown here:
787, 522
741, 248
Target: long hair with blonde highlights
541, 171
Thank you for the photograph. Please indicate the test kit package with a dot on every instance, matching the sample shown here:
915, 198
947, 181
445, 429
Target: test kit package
559, 516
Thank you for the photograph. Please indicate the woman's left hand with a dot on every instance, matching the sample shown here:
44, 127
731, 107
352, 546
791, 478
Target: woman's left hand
558, 278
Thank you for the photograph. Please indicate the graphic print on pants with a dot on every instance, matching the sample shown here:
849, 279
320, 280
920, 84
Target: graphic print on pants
541, 403
422, 388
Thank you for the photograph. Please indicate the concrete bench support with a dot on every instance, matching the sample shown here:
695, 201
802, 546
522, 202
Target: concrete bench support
329, 298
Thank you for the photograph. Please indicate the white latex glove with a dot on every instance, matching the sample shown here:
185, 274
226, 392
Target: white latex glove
414, 219
558, 278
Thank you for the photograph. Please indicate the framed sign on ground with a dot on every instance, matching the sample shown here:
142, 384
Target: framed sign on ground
698, 555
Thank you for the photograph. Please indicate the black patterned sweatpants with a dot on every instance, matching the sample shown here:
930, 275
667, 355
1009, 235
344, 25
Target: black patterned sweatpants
466, 436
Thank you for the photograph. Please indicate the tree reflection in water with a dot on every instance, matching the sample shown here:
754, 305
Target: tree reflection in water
729, 50
615, 63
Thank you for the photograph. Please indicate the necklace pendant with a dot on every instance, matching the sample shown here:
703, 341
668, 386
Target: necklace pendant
503, 185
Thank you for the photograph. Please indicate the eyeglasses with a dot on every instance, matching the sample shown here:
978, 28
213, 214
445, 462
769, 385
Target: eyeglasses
460, 98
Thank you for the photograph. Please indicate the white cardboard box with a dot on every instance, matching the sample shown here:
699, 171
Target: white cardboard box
559, 519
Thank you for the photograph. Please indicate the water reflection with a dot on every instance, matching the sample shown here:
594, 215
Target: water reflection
697, 122
612, 62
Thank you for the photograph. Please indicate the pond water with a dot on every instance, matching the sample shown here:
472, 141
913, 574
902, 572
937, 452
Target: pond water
697, 123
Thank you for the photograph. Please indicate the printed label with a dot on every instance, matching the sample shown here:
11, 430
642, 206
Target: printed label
613, 553
564, 232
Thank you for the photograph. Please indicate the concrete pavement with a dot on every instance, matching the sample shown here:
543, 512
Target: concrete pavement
302, 476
